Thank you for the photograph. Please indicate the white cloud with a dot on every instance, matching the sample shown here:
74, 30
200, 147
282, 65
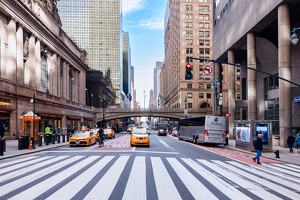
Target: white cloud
153, 23
130, 5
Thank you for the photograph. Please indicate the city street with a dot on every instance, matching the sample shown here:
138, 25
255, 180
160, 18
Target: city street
168, 169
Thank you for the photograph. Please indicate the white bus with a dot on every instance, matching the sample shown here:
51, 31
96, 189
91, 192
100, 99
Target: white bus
204, 129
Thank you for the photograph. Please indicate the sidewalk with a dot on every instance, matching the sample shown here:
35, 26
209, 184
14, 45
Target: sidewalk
12, 151
12, 148
284, 154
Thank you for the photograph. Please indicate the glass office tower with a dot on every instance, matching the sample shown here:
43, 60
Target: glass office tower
96, 26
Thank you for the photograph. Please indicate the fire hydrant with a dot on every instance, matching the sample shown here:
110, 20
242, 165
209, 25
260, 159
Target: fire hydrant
277, 153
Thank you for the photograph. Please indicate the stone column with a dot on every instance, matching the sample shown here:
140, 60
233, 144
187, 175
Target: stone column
68, 81
58, 77
64, 80
30, 73
79, 86
38, 64
284, 68
11, 66
20, 58
231, 93
216, 75
54, 74
76, 85
251, 77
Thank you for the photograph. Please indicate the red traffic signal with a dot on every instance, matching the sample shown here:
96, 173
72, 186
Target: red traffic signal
188, 65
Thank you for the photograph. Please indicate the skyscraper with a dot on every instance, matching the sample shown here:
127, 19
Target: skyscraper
97, 27
126, 63
156, 81
151, 100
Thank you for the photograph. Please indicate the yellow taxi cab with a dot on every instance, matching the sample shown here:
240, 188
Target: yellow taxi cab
109, 133
95, 132
82, 138
139, 136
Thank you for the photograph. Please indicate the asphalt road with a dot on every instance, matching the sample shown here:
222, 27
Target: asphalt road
168, 169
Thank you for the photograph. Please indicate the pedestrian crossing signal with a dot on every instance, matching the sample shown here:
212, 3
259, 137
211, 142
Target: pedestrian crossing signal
188, 73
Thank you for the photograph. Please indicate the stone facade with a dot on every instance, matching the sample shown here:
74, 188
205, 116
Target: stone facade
37, 57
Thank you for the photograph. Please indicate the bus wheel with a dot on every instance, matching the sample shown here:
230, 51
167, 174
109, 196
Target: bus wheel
195, 140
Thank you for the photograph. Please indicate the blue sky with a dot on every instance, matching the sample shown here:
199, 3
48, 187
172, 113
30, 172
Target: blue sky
144, 20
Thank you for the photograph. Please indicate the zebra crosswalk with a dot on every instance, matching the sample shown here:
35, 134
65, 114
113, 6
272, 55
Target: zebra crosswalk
145, 177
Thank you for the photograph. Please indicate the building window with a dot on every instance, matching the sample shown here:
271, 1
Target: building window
207, 42
187, 25
206, 9
201, 58
201, 25
189, 50
191, 24
238, 77
208, 95
189, 33
189, 0
206, 33
206, 1
208, 86
190, 95
44, 74
201, 51
201, 42
189, 42
201, 17
206, 25
201, 8
201, 34
201, 95
189, 16
201, 86
206, 51
238, 96
200, 1
189, 85
238, 69
190, 105
206, 17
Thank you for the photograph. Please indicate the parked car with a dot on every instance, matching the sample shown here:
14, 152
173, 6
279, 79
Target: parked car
109, 133
174, 132
139, 136
82, 138
162, 132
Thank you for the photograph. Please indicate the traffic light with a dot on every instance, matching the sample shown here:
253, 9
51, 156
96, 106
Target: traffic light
188, 73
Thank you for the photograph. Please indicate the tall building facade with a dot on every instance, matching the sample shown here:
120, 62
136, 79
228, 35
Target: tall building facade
37, 58
126, 63
151, 99
97, 27
132, 91
188, 32
156, 82
257, 34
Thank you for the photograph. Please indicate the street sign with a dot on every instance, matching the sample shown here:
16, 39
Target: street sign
185, 111
296, 99
207, 72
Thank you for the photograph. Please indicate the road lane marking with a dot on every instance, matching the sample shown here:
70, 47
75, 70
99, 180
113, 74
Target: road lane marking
165, 186
136, 183
17, 161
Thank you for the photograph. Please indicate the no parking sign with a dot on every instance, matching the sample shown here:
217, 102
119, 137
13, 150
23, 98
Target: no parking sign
207, 71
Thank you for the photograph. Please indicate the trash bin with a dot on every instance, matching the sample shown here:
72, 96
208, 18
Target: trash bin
20, 143
25, 141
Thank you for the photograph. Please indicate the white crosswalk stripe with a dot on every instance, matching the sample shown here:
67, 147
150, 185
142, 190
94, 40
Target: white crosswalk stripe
87, 175
16, 161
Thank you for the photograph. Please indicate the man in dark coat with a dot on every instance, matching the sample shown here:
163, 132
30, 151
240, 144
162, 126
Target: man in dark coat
257, 143
290, 142
2, 131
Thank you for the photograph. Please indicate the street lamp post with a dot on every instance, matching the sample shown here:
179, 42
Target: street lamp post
144, 100
295, 37
213, 84
103, 100
87, 96
185, 108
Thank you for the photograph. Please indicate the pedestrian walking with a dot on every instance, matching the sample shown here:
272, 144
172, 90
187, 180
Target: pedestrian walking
72, 130
290, 142
2, 130
257, 143
298, 142
58, 130
48, 132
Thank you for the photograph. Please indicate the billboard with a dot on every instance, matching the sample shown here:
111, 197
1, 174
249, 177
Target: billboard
263, 128
243, 132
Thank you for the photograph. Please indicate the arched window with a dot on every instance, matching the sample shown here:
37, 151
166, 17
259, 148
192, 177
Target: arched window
204, 105
44, 74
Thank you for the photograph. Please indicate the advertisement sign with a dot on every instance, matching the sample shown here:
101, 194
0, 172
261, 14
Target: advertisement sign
243, 134
263, 128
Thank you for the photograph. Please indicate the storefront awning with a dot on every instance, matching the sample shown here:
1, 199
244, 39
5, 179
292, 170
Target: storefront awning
89, 118
47, 115
5, 111
74, 117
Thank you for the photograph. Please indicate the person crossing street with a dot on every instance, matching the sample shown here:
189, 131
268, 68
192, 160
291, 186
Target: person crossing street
257, 143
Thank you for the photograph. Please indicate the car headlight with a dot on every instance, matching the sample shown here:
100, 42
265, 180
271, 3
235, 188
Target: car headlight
134, 137
147, 137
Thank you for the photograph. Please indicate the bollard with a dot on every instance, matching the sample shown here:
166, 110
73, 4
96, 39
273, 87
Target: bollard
20, 143
63, 138
58, 138
277, 153
40, 141
47, 139
1, 147
53, 139
4, 145
68, 137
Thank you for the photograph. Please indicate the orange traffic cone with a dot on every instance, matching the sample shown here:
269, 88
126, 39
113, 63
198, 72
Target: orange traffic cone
30, 147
